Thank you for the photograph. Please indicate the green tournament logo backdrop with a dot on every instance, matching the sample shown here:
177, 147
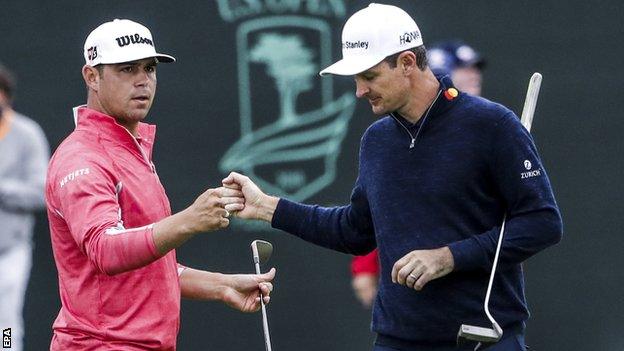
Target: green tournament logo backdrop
292, 123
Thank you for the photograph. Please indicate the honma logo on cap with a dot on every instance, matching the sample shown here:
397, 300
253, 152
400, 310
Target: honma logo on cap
408, 37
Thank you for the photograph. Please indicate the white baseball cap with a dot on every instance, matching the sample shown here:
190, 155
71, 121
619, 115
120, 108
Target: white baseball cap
371, 35
119, 41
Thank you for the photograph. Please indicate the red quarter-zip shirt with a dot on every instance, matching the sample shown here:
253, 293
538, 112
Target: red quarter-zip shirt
103, 196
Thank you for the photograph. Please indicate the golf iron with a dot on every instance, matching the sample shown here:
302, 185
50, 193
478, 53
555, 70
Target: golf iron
488, 336
262, 251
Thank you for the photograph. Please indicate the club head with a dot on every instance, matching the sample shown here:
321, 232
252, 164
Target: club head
261, 250
471, 333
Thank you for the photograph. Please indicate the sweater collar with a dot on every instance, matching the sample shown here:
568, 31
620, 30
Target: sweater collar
108, 128
447, 98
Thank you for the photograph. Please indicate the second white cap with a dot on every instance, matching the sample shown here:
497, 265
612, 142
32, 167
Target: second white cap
371, 35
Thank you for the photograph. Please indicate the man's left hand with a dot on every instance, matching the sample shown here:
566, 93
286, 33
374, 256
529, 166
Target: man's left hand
242, 291
419, 267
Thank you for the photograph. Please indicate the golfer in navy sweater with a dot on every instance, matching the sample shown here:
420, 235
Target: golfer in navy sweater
437, 174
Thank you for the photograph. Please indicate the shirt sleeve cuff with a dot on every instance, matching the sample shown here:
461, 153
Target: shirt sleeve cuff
181, 268
467, 255
286, 215
151, 245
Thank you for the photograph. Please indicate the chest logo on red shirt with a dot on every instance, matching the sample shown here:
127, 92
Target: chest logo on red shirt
73, 175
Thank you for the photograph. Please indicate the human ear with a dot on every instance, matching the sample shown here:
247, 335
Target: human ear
91, 76
407, 62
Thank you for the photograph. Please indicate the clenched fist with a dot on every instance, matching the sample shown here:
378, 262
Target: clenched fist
209, 213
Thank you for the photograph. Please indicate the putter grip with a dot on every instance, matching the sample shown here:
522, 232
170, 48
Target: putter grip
530, 102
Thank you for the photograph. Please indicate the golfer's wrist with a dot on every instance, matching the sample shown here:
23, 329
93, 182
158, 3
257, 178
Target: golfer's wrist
216, 285
222, 282
447, 259
267, 207
171, 232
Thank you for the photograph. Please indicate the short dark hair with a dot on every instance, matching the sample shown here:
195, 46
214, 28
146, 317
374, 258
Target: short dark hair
419, 51
7, 82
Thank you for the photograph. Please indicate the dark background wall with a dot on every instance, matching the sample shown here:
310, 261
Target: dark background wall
574, 289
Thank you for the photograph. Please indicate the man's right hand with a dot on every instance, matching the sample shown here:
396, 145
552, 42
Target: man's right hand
258, 205
209, 212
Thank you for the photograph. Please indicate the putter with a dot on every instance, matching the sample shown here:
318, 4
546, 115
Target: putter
262, 251
488, 336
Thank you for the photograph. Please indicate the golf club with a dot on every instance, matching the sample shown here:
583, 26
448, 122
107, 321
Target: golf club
262, 251
486, 336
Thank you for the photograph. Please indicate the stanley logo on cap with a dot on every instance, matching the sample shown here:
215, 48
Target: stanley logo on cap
355, 45
134, 39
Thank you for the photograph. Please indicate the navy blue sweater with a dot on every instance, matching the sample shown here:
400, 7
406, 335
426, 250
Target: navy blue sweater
472, 163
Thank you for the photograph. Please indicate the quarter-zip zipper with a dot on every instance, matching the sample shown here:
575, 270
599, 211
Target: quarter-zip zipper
145, 158
166, 207
149, 163
413, 137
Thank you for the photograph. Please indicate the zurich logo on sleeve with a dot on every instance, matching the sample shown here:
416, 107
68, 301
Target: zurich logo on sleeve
530, 173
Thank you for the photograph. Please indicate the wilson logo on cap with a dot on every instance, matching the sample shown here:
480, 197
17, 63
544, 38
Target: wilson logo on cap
134, 39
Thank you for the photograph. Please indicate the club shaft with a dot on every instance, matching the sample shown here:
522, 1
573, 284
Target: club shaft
265, 321
530, 102
265, 327
486, 303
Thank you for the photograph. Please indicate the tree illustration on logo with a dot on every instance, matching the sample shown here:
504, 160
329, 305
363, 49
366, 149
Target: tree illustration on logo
290, 148
290, 64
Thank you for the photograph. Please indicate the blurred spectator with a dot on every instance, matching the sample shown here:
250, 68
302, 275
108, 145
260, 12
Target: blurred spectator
24, 154
461, 62
464, 65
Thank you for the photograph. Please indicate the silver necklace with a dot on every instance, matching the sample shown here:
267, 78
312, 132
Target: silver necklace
414, 137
